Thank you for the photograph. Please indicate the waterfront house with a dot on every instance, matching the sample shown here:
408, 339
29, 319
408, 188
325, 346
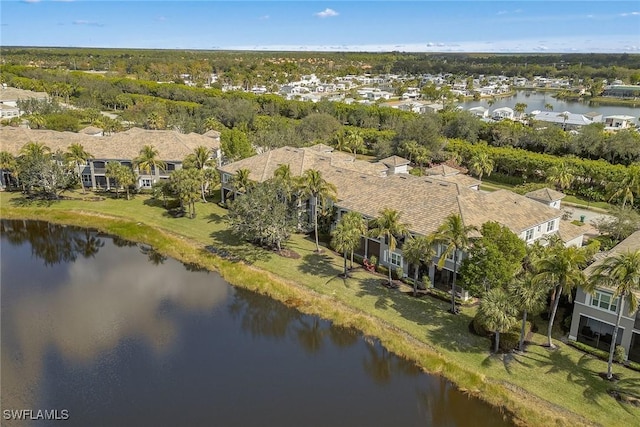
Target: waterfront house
567, 120
594, 314
121, 147
424, 202
618, 122
503, 113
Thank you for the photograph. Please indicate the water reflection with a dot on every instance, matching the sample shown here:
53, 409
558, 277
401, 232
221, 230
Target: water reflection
123, 337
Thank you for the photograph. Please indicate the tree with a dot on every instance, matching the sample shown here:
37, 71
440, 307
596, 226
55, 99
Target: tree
628, 187
36, 150
311, 184
78, 155
528, 297
548, 107
481, 164
8, 163
122, 175
622, 273
39, 170
562, 268
620, 223
261, 217
241, 181
355, 141
354, 221
388, 226
285, 182
147, 160
236, 144
201, 158
414, 251
344, 239
494, 259
561, 175
519, 108
497, 313
454, 236
186, 184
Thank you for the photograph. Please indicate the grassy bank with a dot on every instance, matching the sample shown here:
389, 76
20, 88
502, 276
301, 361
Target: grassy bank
538, 387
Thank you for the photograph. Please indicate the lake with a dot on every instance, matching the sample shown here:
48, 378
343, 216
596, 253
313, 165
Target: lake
110, 333
537, 100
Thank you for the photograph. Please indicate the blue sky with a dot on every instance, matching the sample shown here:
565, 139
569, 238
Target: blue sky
420, 26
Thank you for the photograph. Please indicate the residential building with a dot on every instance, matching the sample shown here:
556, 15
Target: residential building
595, 314
567, 120
9, 97
424, 202
503, 113
618, 122
121, 147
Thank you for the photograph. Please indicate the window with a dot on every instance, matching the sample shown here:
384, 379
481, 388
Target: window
146, 182
551, 225
528, 235
603, 300
395, 259
86, 178
226, 177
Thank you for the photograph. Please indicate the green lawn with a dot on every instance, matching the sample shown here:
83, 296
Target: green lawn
539, 385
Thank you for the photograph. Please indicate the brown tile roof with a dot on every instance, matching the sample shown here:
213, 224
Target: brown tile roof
630, 244
545, 195
442, 169
568, 231
460, 179
171, 145
394, 161
13, 94
510, 209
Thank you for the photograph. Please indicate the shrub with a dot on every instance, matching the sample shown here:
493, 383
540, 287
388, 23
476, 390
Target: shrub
398, 273
509, 341
382, 270
373, 259
601, 354
619, 354
478, 328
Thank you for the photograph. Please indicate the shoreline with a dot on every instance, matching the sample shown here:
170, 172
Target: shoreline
507, 398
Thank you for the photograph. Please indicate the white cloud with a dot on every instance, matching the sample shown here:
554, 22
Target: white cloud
31, 1
161, 18
630, 14
327, 13
264, 17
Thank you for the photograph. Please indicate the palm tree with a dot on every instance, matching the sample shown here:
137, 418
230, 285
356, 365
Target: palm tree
519, 108
201, 158
312, 185
241, 181
497, 313
35, 150
355, 141
527, 296
622, 273
282, 176
344, 239
481, 164
78, 155
8, 163
147, 160
37, 121
415, 250
561, 267
355, 222
560, 175
454, 235
627, 187
548, 107
387, 225
342, 141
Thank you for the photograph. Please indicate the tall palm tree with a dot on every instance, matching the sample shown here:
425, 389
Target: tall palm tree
519, 108
282, 176
548, 107
355, 141
201, 158
454, 235
387, 225
622, 273
628, 187
497, 313
312, 185
527, 296
481, 164
8, 163
241, 181
562, 267
354, 221
35, 150
77, 154
344, 239
415, 250
342, 141
560, 175
148, 160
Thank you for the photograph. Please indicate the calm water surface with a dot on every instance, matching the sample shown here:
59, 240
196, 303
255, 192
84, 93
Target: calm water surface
537, 101
118, 335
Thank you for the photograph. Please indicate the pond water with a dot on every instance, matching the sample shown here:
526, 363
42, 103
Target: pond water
538, 100
109, 333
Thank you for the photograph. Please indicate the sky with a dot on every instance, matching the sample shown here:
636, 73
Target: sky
392, 25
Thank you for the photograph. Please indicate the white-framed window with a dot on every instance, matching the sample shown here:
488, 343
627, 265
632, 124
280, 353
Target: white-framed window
146, 182
394, 258
551, 225
226, 178
604, 301
528, 235
86, 178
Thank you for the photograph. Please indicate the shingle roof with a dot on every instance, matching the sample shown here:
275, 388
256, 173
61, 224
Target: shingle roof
442, 169
568, 231
545, 195
13, 94
171, 145
394, 161
461, 179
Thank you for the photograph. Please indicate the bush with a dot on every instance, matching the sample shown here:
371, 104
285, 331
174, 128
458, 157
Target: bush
398, 273
600, 354
478, 328
382, 270
373, 259
619, 354
508, 341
